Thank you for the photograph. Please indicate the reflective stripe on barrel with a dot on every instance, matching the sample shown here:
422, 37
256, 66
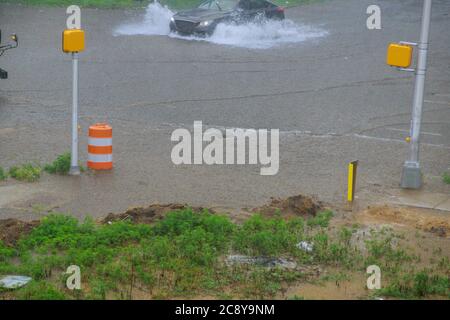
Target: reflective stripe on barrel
100, 147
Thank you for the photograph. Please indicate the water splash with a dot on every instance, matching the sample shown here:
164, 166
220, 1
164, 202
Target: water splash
156, 22
255, 35
263, 35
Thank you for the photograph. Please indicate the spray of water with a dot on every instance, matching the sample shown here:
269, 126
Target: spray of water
156, 22
255, 35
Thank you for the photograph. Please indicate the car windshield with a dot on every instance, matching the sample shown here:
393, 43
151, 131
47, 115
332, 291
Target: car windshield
219, 4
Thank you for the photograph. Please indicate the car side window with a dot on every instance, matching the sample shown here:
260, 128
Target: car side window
257, 4
244, 4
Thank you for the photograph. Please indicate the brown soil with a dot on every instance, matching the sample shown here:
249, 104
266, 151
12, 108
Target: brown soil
353, 289
294, 206
12, 229
150, 214
433, 231
422, 219
290, 207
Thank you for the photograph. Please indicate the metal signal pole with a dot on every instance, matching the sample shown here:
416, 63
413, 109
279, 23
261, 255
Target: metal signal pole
74, 168
411, 175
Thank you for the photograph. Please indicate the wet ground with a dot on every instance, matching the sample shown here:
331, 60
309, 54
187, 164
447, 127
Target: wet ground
422, 233
332, 97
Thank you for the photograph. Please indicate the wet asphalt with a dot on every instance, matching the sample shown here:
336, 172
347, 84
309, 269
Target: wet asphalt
332, 98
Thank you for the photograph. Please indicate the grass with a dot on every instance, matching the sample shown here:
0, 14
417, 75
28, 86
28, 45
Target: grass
182, 256
83, 3
173, 4
418, 285
446, 178
31, 173
60, 166
27, 172
321, 219
3, 174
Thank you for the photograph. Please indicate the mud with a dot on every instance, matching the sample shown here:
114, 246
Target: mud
295, 206
353, 289
150, 214
290, 207
11, 230
425, 220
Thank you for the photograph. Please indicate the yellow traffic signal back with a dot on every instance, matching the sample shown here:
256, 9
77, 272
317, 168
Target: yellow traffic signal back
399, 55
73, 40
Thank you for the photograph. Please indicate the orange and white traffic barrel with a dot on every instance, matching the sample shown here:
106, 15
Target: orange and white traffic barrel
100, 147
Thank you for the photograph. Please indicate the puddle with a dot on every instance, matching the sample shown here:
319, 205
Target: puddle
263, 34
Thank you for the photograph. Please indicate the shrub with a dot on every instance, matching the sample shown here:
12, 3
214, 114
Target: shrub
266, 237
3, 174
446, 178
26, 172
322, 219
40, 290
6, 252
420, 284
61, 165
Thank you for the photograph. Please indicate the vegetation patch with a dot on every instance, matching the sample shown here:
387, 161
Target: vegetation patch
27, 172
420, 284
115, 4
184, 254
3, 174
60, 166
446, 178
83, 3
322, 219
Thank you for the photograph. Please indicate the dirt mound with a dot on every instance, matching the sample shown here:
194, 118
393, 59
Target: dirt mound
425, 220
12, 229
291, 207
149, 214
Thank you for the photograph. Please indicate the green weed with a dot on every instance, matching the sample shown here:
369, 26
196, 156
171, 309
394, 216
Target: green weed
322, 219
3, 174
40, 290
84, 3
60, 166
27, 172
418, 285
183, 254
446, 178
268, 237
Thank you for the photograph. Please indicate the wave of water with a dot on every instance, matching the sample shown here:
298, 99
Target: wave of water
255, 35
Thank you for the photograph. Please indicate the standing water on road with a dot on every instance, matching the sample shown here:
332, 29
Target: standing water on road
254, 35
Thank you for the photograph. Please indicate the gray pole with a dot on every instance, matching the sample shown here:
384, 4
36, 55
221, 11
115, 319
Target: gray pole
74, 169
412, 176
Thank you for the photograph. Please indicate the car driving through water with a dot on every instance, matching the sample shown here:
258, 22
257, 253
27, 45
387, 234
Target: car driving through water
204, 19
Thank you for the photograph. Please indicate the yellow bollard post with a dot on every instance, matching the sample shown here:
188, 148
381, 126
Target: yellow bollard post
352, 166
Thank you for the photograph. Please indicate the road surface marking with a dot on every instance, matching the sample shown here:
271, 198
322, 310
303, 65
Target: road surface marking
423, 132
438, 102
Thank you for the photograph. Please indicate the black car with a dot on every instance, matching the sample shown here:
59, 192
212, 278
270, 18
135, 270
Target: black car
204, 19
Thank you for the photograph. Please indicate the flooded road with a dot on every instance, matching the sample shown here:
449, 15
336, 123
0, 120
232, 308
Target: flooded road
260, 34
331, 96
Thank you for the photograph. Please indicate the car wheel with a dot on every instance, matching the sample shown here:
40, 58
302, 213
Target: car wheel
211, 30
